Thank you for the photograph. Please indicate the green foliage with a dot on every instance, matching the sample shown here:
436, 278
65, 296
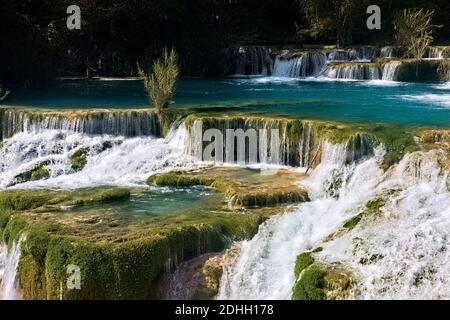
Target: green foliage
331, 19
160, 84
414, 31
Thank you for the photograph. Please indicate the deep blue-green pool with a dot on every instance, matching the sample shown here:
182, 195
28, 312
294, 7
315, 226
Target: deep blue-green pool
369, 101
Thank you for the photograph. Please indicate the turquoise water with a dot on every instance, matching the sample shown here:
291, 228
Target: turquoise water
158, 202
372, 101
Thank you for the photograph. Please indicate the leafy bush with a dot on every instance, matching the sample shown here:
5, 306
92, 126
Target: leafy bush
160, 84
413, 31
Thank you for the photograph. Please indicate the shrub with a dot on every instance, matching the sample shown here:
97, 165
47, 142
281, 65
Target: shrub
160, 84
413, 31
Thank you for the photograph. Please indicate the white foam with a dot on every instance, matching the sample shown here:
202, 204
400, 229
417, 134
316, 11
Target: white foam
437, 100
410, 237
9, 287
125, 162
264, 267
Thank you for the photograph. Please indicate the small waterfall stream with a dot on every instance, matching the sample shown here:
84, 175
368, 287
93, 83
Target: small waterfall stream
355, 71
390, 70
9, 289
309, 64
129, 123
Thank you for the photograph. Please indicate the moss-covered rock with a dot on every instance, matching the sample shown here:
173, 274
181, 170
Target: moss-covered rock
19, 200
128, 262
311, 285
303, 261
244, 187
372, 207
419, 71
39, 172
301, 140
78, 159
323, 282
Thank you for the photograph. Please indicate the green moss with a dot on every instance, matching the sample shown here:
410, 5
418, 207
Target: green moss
303, 261
12, 230
37, 173
167, 119
107, 195
372, 207
359, 138
419, 71
311, 284
78, 159
40, 174
4, 219
126, 269
241, 193
23, 200
320, 282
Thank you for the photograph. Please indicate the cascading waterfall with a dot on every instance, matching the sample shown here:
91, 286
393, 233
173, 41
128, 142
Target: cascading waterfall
410, 236
253, 61
353, 71
387, 52
129, 123
280, 141
264, 267
338, 56
114, 160
436, 52
390, 70
9, 289
308, 64
399, 253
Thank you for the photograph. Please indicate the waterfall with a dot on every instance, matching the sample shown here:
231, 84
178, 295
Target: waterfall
308, 64
401, 252
410, 235
353, 71
253, 61
128, 123
280, 141
436, 52
296, 143
112, 160
264, 267
390, 70
338, 55
9, 288
387, 52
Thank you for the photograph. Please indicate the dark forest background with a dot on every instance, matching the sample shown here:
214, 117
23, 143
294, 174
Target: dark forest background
36, 46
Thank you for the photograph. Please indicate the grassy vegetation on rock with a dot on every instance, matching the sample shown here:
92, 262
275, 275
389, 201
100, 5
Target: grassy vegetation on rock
126, 264
244, 187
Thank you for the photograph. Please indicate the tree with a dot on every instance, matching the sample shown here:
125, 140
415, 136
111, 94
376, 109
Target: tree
331, 18
160, 84
413, 31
